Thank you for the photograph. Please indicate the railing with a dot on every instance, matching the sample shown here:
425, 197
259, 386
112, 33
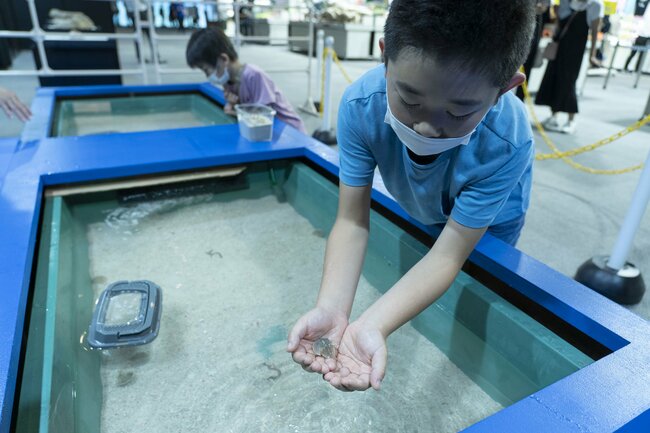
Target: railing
40, 36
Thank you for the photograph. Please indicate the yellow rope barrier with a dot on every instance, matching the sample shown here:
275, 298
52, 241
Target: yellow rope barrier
338, 63
565, 156
322, 81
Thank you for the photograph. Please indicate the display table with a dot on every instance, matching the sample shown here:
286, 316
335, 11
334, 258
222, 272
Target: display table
351, 41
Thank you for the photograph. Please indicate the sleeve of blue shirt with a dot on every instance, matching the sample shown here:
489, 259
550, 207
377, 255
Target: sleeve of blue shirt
357, 165
481, 200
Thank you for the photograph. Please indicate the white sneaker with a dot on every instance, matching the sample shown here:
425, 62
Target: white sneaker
570, 127
551, 124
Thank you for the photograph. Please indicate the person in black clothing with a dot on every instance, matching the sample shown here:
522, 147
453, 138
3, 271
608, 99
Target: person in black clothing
578, 18
640, 41
246, 19
640, 9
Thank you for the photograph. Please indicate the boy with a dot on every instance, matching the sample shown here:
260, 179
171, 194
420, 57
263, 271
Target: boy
211, 51
453, 147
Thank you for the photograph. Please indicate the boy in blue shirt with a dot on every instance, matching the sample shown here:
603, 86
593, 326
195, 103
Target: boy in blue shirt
454, 147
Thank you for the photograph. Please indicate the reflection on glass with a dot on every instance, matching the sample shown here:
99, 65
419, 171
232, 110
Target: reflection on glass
123, 309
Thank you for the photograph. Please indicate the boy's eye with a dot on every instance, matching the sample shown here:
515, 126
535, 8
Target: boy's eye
407, 104
463, 117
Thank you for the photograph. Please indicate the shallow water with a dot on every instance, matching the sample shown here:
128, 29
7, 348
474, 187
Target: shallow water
109, 115
235, 276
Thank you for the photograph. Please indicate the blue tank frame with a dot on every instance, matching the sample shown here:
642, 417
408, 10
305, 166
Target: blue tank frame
611, 394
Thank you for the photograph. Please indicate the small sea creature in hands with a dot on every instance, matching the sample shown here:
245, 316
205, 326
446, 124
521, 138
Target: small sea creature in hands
360, 361
313, 340
324, 347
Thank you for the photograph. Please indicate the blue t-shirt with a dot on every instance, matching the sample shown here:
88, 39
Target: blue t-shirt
486, 182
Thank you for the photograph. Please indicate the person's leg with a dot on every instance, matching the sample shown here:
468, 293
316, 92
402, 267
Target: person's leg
570, 127
629, 59
642, 42
553, 122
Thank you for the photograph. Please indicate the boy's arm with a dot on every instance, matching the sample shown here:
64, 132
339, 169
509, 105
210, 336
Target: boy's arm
425, 282
346, 247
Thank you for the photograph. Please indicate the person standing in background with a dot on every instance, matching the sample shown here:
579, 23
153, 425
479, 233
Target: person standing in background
177, 15
540, 8
643, 32
577, 19
246, 18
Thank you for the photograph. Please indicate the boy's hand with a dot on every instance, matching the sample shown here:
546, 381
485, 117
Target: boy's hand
228, 109
315, 324
361, 359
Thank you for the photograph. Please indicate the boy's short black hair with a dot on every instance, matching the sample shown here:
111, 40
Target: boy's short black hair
205, 47
489, 36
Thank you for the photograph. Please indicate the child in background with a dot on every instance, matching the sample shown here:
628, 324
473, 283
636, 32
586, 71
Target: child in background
211, 51
454, 148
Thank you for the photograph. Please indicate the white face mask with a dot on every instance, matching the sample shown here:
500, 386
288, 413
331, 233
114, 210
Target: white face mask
419, 144
219, 80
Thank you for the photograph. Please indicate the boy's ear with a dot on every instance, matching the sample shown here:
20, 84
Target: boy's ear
381, 48
517, 80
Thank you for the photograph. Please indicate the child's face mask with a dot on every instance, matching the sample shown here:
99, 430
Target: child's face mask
419, 144
433, 107
219, 80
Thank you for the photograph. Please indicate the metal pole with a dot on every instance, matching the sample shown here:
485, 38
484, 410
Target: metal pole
325, 133
138, 31
611, 64
237, 24
309, 107
36, 28
310, 51
70, 36
327, 100
320, 42
642, 55
154, 42
69, 72
632, 221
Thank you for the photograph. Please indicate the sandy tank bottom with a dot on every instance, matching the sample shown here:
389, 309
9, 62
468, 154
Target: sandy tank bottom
235, 277
114, 123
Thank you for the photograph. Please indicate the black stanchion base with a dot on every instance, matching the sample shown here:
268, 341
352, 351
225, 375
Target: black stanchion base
317, 106
327, 137
624, 286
